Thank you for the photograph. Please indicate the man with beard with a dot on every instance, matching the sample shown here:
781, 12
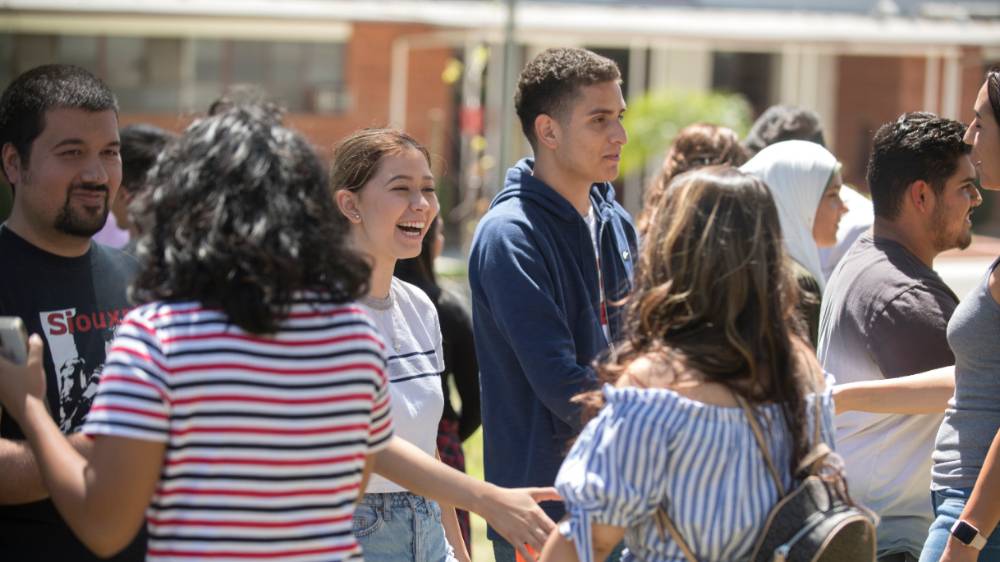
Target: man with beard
59, 152
882, 331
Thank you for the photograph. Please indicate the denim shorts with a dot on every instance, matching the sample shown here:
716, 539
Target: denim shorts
948, 506
400, 527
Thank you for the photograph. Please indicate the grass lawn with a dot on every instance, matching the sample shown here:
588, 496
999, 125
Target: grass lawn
482, 549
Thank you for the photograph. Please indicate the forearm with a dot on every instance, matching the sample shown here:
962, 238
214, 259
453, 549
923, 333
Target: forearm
923, 393
453, 532
22, 481
604, 539
559, 549
66, 474
983, 508
411, 468
513, 513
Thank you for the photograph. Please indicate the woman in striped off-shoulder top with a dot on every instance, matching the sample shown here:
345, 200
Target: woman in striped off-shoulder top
712, 316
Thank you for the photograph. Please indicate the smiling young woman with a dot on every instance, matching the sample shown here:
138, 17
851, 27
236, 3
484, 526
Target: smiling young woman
384, 187
385, 190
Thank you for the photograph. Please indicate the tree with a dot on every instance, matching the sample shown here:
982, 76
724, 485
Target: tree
653, 120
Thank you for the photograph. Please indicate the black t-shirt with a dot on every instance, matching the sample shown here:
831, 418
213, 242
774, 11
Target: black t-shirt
460, 363
75, 305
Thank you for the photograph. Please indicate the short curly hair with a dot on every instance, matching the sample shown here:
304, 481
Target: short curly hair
781, 123
52, 86
916, 146
553, 79
238, 216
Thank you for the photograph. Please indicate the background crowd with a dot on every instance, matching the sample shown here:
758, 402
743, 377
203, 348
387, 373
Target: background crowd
263, 370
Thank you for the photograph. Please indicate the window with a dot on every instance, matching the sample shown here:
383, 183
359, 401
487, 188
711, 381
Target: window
144, 73
167, 75
750, 74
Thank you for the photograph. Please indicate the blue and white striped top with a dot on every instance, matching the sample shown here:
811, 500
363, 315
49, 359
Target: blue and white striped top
652, 446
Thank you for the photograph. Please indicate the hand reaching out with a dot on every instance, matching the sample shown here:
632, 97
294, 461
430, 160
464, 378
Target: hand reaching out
514, 513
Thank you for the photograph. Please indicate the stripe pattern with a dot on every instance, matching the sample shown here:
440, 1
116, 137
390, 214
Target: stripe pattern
652, 447
266, 436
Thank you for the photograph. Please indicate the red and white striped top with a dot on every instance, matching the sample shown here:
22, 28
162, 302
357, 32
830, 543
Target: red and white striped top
266, 436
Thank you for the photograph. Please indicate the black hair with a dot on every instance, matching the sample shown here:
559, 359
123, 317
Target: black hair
553, 79
993, 91
244, 94
916, 146
52, 86
238, 215
141, 145
781, 123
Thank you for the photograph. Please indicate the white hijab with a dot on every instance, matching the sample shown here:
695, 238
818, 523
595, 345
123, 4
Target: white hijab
797, 172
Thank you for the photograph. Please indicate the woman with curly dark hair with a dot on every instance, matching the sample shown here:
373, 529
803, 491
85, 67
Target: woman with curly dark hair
711, 325
697, 145
242, 399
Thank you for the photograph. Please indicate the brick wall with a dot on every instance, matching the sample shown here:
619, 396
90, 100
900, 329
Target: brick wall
871, 91
367, 72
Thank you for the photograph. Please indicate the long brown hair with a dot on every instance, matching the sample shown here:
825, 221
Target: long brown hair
697, 145
712, 292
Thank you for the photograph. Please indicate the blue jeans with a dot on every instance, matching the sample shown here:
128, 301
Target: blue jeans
948, 506
400, 527
504, 552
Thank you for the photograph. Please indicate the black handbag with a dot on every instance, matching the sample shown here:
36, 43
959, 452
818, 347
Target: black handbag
816, 521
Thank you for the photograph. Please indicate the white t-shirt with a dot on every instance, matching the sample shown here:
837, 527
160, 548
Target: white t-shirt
408, 322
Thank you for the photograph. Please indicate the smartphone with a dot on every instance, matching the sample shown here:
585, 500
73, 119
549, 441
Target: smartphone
13, 340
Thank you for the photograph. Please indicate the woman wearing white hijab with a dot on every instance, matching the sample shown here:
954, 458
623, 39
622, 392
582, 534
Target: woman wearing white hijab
805, 180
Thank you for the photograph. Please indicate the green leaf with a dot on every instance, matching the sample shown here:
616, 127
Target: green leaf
653, 120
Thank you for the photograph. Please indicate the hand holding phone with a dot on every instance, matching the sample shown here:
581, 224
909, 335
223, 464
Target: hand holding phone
13, 340
21, 373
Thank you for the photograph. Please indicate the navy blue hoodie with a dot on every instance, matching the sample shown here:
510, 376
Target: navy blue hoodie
536, 317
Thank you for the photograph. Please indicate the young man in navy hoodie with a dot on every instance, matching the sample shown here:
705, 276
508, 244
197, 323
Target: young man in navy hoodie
550, 262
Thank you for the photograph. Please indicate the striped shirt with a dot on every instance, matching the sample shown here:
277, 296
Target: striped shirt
408, 323
651, 447
266, 436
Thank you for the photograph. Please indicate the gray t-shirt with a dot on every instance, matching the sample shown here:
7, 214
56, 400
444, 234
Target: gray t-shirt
973, 414
885, 315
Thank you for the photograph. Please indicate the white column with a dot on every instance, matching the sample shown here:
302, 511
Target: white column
686, 67
952, 86
398, 77
790, 75
635, 87
932, 83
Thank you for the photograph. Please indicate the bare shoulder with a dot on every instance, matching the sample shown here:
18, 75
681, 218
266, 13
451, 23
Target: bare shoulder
669, 371
650, 371
805, 355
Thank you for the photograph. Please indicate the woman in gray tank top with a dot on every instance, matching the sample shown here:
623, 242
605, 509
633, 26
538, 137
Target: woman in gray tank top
967, 510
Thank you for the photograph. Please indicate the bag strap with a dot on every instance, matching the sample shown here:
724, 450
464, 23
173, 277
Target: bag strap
664, 522
819, 451
759, 437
